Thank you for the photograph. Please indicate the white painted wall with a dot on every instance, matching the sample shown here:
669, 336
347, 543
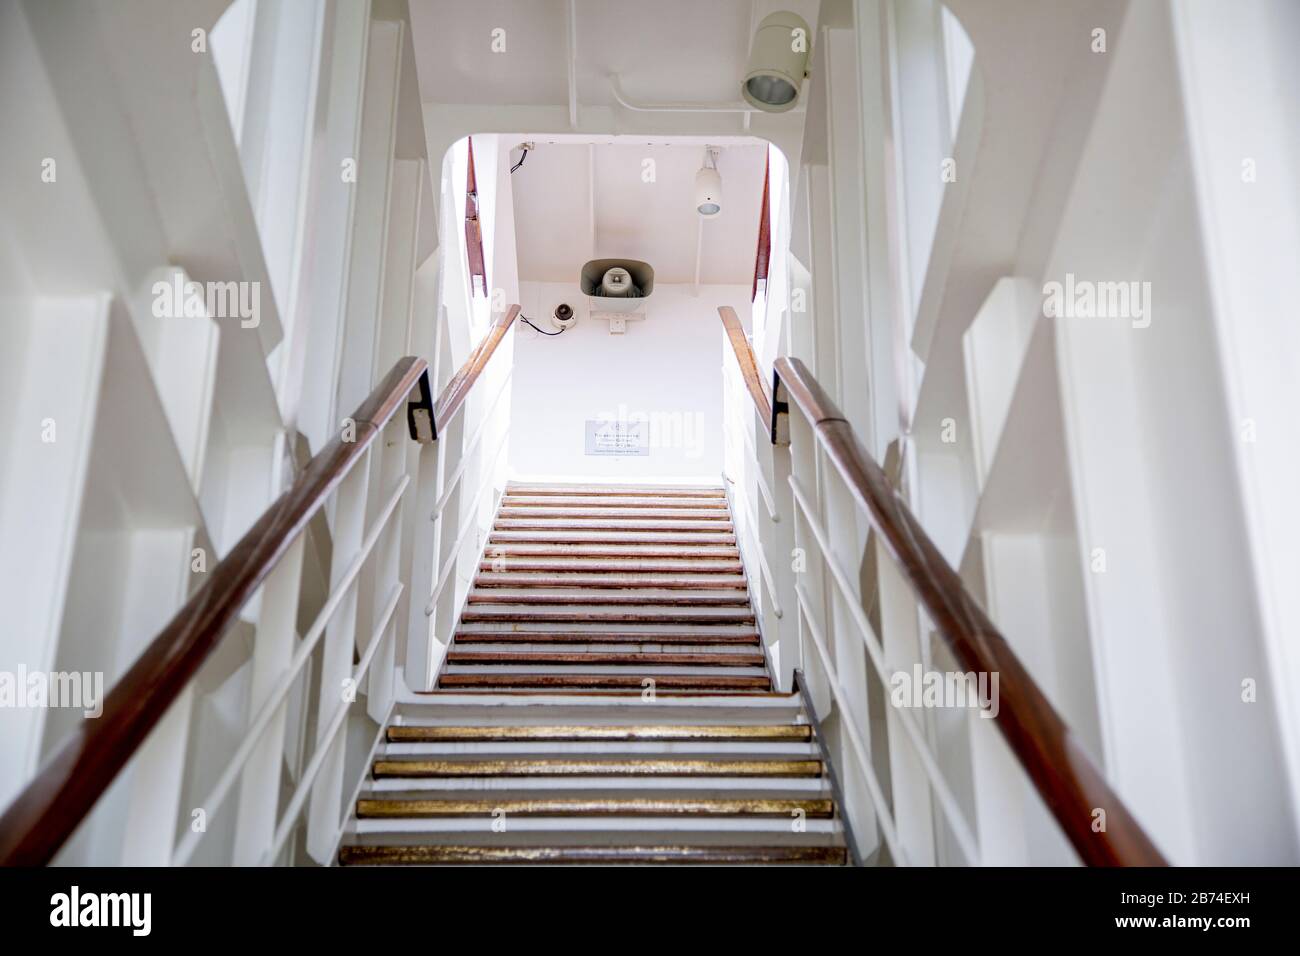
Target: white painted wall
667, 367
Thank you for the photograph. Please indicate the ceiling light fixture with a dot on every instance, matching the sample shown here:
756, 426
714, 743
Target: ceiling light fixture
708, 185
778, 62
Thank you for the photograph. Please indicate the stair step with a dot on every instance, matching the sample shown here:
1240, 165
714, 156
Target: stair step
594, 658
635, 630
445, 707
653, 766
604, 641
646, 597
601, 855
558, 694
587, 649
606, 614
525, 788
655, 491
528, 787
656, 567
645, 536
698, 526
590, 749
590, 513
598, 806
509, 550
682, 582
634, 683
586, 596
609, 732
512, 502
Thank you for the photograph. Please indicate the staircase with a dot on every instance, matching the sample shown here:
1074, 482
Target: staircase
606, 699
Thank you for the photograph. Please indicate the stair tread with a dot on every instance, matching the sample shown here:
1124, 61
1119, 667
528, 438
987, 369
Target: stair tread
716, 855
613, 580
592, 512
605, 658
643, 643
511, 502
561, 488
371, 808
625, 550
685, 526
651, 536
636, 628
617, 732
596, 566
655, 766
573, 611
620, 677
639, 597
625, 695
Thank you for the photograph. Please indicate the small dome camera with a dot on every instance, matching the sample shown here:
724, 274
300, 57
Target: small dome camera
563, 317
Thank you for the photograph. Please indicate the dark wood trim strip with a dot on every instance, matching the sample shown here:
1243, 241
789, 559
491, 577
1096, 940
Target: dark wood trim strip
453, 396
473, 227
754, 383
1067, 780
763, 255
65, 789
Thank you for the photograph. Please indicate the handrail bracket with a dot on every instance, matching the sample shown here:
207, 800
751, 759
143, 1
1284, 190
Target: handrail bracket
419, 413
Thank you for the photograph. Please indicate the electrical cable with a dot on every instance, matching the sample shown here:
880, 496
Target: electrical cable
524, 318
522, 157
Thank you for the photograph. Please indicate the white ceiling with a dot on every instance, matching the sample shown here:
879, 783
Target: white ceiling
652, 221
665, 50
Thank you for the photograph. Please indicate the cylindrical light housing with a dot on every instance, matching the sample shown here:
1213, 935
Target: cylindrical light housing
778, 62
708, 192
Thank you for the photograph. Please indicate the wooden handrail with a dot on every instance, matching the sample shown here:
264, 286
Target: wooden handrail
1067, 780
754, 383
65, 789
453, 396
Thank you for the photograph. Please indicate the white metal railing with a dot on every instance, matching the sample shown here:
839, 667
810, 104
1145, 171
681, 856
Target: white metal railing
837, 611
468, 526
806, 516
310, 704
366, 581
843, 694
873, 600
280, 667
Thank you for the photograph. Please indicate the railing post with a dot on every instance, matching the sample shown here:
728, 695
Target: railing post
386, 565
902, 647
1000, 796
340, 643
848, 543
259, 788
149, 833
449, 522
780, 545
430, 476
790, 553
808, 570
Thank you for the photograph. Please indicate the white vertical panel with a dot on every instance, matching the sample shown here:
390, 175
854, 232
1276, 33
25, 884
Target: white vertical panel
260, 786
40, 508
336, 664
357, 369
913, 811
332, 200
